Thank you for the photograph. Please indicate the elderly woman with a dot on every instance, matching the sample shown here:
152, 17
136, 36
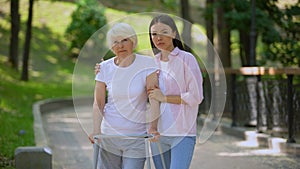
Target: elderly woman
125, 79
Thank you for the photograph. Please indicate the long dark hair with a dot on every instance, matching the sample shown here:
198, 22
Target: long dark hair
165, 19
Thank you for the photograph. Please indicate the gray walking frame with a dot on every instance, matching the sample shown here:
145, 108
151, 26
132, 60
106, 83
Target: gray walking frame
147, 137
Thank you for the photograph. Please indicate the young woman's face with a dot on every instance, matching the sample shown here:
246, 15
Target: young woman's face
162, 36
122, 46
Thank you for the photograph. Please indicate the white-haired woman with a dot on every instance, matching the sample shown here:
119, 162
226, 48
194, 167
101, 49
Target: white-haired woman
124, 80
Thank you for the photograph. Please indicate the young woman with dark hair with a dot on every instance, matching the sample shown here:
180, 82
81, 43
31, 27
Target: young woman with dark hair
179, 93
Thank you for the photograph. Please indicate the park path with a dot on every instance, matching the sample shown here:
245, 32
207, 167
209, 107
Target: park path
72, 150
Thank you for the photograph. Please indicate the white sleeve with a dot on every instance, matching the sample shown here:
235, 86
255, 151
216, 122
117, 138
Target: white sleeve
101, 75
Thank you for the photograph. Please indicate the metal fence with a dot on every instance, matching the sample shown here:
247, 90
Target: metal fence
265, 98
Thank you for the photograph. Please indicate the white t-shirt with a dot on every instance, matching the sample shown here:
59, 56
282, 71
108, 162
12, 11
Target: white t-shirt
164, 107
125, 110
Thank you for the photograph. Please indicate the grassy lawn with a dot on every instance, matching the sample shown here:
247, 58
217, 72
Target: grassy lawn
50, 72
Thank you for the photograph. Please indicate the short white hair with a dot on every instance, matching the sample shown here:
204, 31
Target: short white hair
123, 30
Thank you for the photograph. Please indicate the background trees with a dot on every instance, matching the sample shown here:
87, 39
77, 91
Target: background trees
86, 19
277, 26
14, 39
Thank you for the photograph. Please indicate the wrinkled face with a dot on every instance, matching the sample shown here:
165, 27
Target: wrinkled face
162, 36
122, 46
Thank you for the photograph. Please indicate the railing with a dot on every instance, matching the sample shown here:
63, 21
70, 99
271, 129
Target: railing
274, 103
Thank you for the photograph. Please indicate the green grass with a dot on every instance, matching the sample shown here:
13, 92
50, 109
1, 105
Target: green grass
50, 72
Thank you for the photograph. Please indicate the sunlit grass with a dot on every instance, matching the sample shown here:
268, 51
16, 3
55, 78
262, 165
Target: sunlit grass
50, 73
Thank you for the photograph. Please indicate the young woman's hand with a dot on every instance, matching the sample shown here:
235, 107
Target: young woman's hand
97, 68
157, 95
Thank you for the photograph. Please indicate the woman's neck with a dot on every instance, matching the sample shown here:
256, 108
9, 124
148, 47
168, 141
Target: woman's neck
124, 61
165, 54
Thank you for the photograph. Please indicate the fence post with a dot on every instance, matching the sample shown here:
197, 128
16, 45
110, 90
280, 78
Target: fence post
233, 99
258, 115
290, 109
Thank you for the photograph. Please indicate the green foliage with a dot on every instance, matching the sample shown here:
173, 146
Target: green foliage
171, 4
86, 20
283, 44
279, 28
238, 11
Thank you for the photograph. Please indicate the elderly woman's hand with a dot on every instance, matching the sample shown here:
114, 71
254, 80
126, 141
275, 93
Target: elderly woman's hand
91, 138
155, 133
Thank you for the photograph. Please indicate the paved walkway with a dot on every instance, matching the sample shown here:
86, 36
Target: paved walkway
72, 150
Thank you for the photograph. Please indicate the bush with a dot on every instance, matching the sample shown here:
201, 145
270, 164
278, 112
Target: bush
86, 20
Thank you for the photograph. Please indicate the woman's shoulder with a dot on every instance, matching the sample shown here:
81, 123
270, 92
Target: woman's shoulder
108, 61
180, 53
185, 53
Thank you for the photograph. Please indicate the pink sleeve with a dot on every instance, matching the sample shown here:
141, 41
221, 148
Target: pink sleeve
193, 77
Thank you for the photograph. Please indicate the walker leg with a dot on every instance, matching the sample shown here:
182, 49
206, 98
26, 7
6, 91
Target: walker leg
147, 154
96, 154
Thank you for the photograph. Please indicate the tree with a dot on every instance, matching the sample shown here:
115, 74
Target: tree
24, 75
223, 42
14, 38
187, 27
209, 25
239, 12
86, 20
223, 30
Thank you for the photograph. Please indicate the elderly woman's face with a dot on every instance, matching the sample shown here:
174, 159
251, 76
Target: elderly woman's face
122, 46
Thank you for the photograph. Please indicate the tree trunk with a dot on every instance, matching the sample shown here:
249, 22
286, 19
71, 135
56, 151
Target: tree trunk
187, 27
209, 20
209, 24
14, 37
252, 35
244, 47
223, 47
24, 76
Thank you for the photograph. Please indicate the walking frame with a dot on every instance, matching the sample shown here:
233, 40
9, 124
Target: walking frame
147, 137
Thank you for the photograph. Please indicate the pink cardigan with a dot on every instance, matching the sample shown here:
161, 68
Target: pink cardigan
184, 79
